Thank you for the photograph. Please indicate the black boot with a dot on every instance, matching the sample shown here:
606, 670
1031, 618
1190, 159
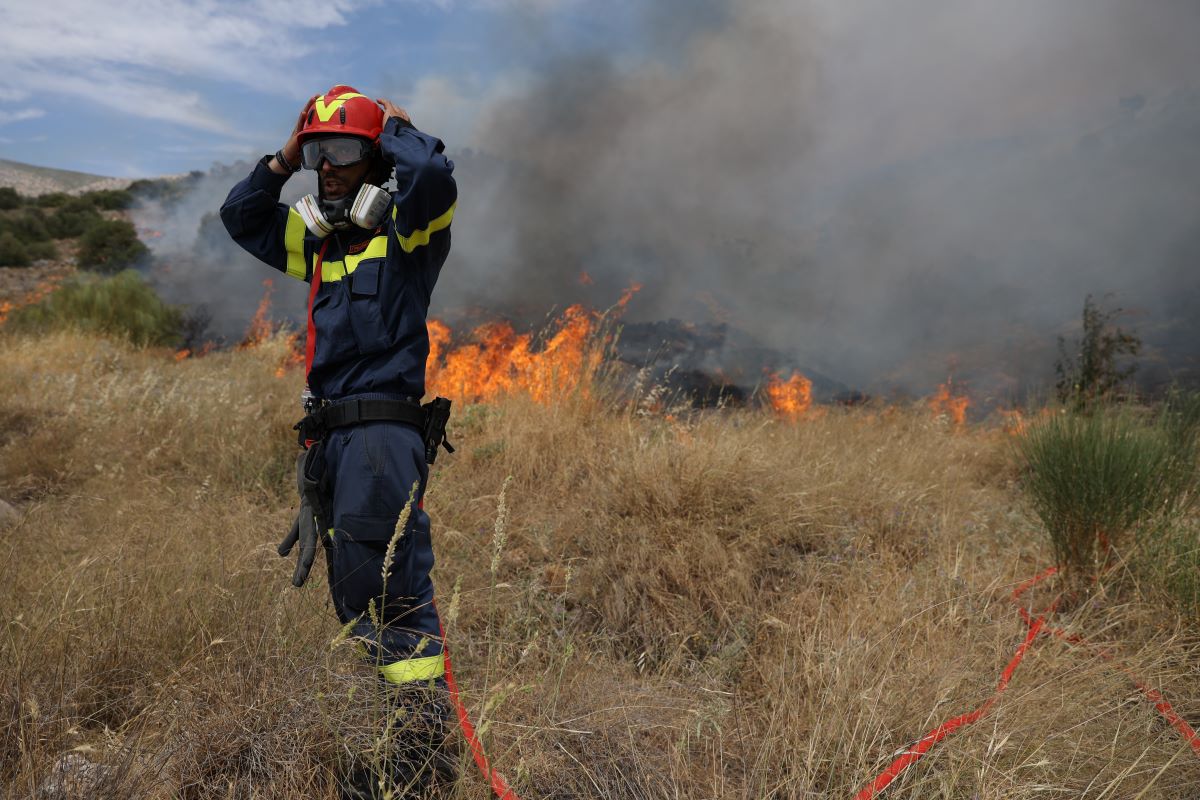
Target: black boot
417, 755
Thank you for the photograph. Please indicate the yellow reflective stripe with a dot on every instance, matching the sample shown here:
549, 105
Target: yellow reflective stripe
376, 249
414, 669
333, 271
418, 238
293, 243
324, 112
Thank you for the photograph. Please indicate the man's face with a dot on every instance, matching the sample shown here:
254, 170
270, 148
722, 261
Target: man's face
337, 182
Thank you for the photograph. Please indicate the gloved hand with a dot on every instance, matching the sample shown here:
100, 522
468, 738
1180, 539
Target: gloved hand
309, 523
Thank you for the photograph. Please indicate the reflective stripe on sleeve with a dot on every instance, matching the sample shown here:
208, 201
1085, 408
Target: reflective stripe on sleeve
293, 243
420, 237
414, 669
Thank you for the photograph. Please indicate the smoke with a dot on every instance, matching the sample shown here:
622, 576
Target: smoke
882, 192
885, 191
199, 267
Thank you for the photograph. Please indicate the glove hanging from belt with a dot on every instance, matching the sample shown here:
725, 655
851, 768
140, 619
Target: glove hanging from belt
313, 518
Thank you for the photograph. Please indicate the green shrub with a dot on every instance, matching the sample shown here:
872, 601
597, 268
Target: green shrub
1100, 481
27, 225
110, 246
12, 251
73, 218
109, 199
53, 199
9, 198
44, 249
121, 305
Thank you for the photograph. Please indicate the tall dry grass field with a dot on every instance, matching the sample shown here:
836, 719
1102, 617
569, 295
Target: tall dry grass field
725, 606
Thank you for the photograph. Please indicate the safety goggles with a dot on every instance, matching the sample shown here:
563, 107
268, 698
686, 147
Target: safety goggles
340, 151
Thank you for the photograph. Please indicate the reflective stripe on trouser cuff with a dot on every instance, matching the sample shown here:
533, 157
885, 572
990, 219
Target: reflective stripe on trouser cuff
414, 669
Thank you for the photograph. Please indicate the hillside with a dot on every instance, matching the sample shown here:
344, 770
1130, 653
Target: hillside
722, 605
31, 180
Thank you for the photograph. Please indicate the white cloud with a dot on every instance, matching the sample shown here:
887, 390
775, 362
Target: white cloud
133, 54
21, 115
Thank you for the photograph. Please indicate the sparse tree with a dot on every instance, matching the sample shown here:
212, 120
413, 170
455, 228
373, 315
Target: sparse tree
1094, 373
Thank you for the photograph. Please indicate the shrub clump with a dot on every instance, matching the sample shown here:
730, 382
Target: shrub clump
73, 218
122, 305
109, 199
12, 251
1101, 481
9, 199
110, 246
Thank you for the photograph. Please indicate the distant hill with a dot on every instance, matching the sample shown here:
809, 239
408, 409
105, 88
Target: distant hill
32, 180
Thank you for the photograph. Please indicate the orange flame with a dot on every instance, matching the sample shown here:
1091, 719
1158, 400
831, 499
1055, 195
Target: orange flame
498, 360
37, 295
261, 326
790, 399
946, 403
627, 295
1014, 421
584, 278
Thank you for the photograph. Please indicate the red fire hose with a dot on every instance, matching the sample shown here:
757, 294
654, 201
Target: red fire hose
1036, 627
499, 785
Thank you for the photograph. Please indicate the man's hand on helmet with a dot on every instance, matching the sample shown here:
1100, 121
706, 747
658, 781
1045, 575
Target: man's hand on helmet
291, 148
390, 109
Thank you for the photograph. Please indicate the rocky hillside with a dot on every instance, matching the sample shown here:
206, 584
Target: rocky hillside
34, 181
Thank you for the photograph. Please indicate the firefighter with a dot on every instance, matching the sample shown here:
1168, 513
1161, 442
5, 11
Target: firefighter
371, 257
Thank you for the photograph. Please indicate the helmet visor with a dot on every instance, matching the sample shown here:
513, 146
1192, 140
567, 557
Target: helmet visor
340, 151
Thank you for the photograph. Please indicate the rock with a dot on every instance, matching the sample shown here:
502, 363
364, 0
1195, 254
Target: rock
8, 515
73, 776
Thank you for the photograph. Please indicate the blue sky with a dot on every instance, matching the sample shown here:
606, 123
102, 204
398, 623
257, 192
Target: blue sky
161, 86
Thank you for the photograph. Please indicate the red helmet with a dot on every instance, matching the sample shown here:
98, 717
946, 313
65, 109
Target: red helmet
343, 110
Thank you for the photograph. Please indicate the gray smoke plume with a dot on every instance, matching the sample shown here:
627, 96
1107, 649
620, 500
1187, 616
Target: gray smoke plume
888, 192
882, 192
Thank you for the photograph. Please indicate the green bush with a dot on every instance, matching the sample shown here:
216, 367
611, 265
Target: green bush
121, 305
110, 246
73, 218
1102, 481
53, 199
12, 251
9, 198
109, 199
27, 225
44, 249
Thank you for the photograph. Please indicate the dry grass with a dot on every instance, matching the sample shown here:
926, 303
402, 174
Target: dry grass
722, 607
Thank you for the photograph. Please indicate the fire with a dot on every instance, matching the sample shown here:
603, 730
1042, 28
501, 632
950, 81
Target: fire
261, 329
584, 278
627, 295
946, 403
496, 360
295, 356
1014, 421
39, 293
261, 326
790, 399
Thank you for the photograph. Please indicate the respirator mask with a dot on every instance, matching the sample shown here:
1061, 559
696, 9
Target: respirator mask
365, 208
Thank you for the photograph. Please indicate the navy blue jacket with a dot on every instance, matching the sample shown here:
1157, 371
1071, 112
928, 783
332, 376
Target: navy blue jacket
369, 312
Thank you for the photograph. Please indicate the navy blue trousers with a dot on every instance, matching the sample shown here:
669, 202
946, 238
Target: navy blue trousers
372, 470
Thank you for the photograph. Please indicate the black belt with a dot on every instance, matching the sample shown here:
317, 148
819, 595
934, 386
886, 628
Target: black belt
429, 419
355, 411
352, 412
